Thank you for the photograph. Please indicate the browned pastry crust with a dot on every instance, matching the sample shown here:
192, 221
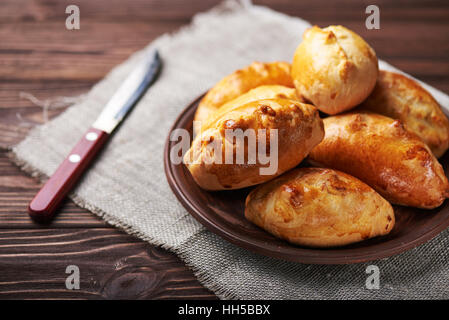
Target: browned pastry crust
320, 208
382, 153
299, 130
399, 97
334, 68
240, 82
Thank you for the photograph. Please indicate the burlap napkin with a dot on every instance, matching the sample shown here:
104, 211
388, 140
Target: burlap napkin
128, 188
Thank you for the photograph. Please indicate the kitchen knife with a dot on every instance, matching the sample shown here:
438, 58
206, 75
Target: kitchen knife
44, 205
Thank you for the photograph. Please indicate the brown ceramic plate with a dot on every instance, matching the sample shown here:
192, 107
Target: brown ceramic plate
222, 213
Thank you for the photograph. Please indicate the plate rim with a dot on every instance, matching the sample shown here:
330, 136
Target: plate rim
254, 247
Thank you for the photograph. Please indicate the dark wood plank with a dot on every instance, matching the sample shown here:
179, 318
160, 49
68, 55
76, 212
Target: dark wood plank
40, 57
112, 263
107, 37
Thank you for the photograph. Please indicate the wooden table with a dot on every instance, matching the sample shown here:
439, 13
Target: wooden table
38, 55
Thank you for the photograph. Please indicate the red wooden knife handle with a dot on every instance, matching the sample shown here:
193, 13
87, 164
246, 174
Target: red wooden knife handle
44, 205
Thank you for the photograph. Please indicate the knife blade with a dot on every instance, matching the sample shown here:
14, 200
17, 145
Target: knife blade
44, 205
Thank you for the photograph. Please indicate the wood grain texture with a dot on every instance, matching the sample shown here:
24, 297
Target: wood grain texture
39, 56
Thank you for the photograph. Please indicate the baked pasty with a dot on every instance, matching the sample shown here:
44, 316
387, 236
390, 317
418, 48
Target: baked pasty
382, 153
240, 82
298, 127
258, 93
399, 97
334, 68
319, 208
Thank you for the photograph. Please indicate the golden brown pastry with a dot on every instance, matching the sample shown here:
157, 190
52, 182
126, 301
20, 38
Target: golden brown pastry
399, 97
320, 208
334, 68
298, 126
382, 153
258, 93
240, 82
